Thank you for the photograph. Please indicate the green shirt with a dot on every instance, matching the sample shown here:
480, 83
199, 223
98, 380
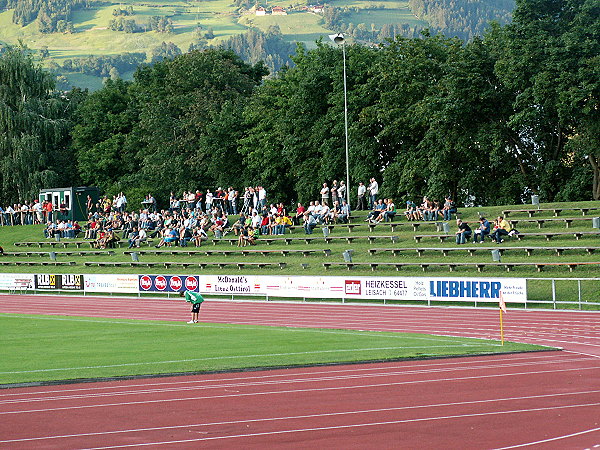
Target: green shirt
193, 297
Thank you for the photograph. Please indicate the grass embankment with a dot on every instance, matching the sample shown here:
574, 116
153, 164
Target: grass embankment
46, 348
361, 247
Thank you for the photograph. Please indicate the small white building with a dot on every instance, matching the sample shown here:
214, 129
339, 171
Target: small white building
278, 11
260, 11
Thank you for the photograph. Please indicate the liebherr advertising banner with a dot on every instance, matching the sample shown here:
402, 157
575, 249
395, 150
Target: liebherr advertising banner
513, 290
388, 288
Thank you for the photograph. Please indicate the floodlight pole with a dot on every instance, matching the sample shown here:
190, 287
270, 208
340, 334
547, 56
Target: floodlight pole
340, 40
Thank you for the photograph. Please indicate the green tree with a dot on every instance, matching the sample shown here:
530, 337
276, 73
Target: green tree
34, 125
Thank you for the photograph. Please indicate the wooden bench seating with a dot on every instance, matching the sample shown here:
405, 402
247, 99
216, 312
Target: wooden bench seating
64, 243
75, 253
415, 225
308, 239
37, 263
472, 250
548, 235
243, 251
556, 211
568, 221
452, 266
202, 265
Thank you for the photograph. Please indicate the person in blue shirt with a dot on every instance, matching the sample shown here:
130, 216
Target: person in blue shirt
482, 231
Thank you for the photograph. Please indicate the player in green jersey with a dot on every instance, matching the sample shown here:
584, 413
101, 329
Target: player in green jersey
196, 299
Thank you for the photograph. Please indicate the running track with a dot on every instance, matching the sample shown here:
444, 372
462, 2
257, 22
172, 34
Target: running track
541, 400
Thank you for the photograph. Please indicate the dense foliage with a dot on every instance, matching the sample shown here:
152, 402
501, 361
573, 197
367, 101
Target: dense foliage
489, 122
34, 129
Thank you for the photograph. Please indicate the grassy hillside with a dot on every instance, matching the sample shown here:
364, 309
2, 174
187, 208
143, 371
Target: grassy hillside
92, 36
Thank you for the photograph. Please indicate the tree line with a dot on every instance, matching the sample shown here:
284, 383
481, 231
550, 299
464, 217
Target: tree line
510, 114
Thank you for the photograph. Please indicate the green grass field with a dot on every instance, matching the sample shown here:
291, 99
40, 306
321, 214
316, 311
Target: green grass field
46, 348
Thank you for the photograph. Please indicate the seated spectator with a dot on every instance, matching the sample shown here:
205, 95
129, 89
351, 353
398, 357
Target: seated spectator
501, 228
100, 241
411, 211
299, 214
378, 209
185, 236
110, 239
448, 209
50, 231
309, 223
132, 237
482, 231
199, 236
344, 214
464, 232
390, 211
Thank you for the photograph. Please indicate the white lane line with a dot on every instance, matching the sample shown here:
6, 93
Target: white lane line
357, 425
262, 382
467, 364
292, 391
304, 416
217, 358
557, 438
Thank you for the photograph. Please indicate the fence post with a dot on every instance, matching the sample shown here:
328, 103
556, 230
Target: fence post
579, 293
553, 293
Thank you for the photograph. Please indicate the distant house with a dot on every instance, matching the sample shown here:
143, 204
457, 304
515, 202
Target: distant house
260, 11
278, 11
318, 9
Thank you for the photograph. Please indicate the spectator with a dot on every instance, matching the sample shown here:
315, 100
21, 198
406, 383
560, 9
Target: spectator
501, 228
341, 192
464, 232
344, 214
334, 192
448, 209
482, 231
390, 211
309, 223
373, 189
360, 204
325, 194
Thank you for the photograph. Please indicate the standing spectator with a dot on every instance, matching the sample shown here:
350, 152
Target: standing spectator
209, 200
373, 189
325, 194
262, 197
361, 204
341, 192
464, 232
334, 192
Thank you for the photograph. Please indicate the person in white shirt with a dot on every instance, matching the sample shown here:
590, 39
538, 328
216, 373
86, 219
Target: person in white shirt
325, 194
362, 189
373, 191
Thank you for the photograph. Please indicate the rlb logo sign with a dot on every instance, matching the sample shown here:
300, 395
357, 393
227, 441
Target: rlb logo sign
168, 283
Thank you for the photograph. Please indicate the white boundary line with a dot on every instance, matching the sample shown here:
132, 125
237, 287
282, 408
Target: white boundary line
305, 416
290, 391
337, 427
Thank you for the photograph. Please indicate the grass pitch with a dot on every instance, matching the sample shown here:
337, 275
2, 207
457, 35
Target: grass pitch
49, 348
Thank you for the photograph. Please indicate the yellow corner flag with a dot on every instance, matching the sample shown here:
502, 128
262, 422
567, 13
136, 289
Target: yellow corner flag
502, 305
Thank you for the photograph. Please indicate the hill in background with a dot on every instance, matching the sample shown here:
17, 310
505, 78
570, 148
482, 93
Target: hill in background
84, 42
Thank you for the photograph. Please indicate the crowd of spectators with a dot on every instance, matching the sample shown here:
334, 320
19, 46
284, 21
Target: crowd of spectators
430, 210
192, 216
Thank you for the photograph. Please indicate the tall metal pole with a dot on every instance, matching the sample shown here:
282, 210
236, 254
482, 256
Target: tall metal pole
346, 125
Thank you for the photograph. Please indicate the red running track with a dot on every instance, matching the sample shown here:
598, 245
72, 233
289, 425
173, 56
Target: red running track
542, 400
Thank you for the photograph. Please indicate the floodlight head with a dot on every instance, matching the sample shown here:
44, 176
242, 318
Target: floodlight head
337, 38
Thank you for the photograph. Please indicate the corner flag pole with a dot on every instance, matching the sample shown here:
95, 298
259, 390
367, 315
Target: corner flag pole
501, 328
502, 307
